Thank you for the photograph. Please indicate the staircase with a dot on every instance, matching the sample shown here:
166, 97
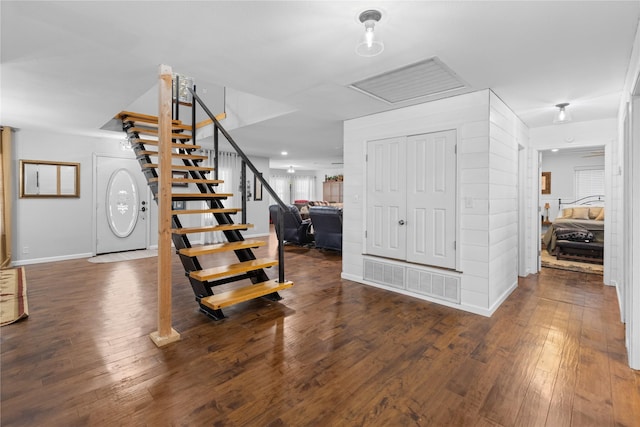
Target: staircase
142, 132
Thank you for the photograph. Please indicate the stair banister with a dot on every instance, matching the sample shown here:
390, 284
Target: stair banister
256, 173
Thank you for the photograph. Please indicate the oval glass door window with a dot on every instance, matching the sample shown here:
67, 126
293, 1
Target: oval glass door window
122, 203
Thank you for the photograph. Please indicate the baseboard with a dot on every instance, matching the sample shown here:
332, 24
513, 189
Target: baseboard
620, 302
502, 298
50, 259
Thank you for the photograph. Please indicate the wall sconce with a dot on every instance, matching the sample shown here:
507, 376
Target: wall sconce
369, 44
562, 116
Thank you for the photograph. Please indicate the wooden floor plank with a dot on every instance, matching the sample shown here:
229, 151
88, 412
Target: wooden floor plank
332, 352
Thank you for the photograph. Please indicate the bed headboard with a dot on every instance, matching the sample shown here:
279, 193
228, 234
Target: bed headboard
589, 200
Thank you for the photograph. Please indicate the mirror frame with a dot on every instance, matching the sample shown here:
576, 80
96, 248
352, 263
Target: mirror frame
50, 167
545, 183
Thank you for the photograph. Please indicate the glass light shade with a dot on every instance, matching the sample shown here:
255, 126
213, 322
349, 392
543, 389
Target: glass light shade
562, 116
369, 43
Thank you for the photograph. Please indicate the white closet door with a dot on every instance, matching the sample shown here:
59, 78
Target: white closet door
431, 199
386, 198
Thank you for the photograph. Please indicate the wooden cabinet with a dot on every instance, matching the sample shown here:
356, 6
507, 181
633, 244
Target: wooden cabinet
332, 191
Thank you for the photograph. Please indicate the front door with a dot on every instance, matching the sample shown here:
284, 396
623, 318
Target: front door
121, 205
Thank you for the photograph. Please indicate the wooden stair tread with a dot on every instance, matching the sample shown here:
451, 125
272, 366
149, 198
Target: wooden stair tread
174, 155
206, 211
234, 296
150, 131
211, 228
179, 167
191, 180
231, 269
221, 247
179, 145
142, 122
200, 196
123, 115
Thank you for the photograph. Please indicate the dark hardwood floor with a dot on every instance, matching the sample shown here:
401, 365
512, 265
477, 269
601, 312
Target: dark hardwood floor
331, 353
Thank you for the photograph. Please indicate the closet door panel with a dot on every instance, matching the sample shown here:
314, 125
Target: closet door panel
386, 198
431, 196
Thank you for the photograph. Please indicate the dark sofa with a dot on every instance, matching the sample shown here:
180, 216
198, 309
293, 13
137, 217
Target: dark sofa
327, 226
296, 230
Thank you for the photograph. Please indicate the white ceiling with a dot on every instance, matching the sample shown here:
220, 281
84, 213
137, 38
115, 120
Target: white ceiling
71, 66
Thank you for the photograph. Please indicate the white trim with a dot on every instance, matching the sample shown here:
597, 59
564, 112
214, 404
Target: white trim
51, 259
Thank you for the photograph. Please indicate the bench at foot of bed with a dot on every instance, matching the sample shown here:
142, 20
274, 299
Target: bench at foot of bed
580, 251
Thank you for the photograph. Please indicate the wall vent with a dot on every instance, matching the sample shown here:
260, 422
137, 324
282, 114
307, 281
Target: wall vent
435, 285
424, 78
383, 273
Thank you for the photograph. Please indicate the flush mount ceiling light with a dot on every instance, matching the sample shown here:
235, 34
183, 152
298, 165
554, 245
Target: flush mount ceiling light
291, 170
563, 116
369, 44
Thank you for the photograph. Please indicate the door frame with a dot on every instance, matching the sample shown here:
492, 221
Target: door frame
458, 202
144, 193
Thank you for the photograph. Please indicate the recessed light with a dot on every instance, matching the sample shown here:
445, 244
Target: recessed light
554, 149
284, 153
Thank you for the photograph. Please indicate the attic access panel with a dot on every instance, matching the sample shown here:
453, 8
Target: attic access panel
424, 78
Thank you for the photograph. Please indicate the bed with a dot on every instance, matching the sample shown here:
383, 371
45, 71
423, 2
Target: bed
579, 221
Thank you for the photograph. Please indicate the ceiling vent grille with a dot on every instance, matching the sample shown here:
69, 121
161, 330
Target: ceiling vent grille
424, 78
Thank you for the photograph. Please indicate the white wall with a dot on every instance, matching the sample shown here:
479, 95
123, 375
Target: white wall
257, 210
506, 133
56, 229
626, 183
596, 134
469, 115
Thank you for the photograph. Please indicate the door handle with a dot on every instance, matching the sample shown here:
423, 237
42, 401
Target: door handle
401, 222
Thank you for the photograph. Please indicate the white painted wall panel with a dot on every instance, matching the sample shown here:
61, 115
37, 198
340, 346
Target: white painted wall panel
480, 161
503, 200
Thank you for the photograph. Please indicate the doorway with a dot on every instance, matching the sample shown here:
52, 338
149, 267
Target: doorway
122, 205
576, 177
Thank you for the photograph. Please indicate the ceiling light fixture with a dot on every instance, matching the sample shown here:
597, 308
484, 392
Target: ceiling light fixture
563, 116
369, 44
291, 170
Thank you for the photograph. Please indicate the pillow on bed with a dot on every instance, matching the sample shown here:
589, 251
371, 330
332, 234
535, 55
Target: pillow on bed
566, 213
580, 213
574, 234
594, 212
600, 216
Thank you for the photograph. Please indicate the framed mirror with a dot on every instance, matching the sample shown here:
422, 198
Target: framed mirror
545, 183
42, 178
257, 188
